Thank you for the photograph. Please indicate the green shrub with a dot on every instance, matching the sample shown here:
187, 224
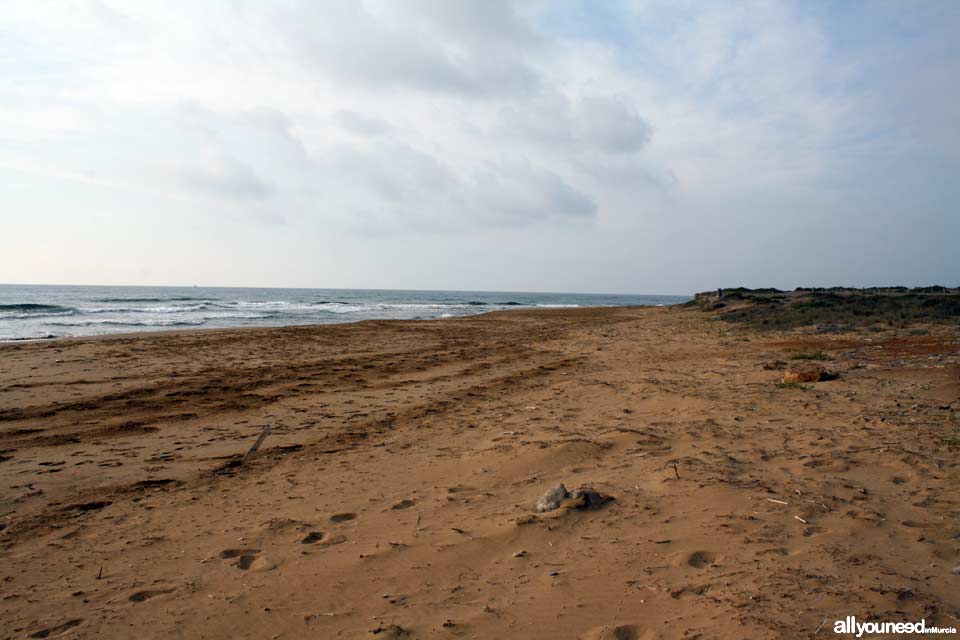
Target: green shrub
809, 355
791, 385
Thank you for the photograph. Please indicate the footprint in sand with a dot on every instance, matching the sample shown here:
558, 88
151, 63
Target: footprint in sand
247, 559
88, 506
342, 517
459, 489
391, 632
141, 596
701, 559
282, 524
323, 539
313, 536
403, 504
617, 632
60, 629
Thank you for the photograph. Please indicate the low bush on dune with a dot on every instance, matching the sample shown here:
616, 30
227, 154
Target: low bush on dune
835, 311
792, 385
809, 355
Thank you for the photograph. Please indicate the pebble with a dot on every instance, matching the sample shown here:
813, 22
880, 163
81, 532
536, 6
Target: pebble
552, 498
582, 498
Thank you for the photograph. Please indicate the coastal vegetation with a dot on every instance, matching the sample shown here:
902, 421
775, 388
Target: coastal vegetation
835, 309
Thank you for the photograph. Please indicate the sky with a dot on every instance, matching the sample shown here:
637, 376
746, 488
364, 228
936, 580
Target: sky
626, 146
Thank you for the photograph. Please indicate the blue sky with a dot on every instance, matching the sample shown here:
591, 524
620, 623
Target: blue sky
634, 146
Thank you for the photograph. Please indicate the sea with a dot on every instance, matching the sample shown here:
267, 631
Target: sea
35, 312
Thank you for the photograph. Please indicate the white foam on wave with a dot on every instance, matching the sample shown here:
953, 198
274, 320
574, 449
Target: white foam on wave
170, 309
195, 314
116, 322
36, 316
82, 313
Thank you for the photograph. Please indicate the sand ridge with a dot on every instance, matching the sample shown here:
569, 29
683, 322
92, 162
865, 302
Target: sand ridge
394, 494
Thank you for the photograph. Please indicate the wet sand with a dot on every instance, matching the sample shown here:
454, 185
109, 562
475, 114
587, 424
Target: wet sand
393, 495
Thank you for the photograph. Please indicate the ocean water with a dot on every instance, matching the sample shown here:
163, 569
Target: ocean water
48, 311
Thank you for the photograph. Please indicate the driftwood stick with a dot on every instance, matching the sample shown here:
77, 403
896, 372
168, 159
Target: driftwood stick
256, 445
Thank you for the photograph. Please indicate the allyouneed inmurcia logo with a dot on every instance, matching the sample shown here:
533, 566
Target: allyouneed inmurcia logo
850, 626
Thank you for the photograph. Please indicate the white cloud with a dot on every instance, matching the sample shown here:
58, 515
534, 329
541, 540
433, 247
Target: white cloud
422, 46
458, 119
361, 124
224, 177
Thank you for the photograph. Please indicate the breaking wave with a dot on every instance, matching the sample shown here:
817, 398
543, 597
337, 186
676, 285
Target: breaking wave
58, 311
29, 307
171, 299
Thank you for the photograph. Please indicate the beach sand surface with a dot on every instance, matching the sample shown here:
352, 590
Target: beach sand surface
393, 495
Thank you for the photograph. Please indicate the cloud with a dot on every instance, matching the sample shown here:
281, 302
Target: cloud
224, 177
361, 124
421, 48
476, 25
739, 131
398, 188
597, 123
523, 195
610, 125
261, 154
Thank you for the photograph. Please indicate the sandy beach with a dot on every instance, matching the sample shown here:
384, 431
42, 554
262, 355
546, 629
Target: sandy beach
393, 495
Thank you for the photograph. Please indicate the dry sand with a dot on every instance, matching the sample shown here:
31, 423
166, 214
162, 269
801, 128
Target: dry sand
393, 497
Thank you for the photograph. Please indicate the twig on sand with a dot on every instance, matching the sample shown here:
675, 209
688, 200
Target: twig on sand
417, 528
676, 471
256, 445
777, 501
800, 519
820, 627
100, 573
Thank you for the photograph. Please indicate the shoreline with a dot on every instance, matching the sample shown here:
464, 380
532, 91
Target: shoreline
158, 332
394, 492
55, 312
